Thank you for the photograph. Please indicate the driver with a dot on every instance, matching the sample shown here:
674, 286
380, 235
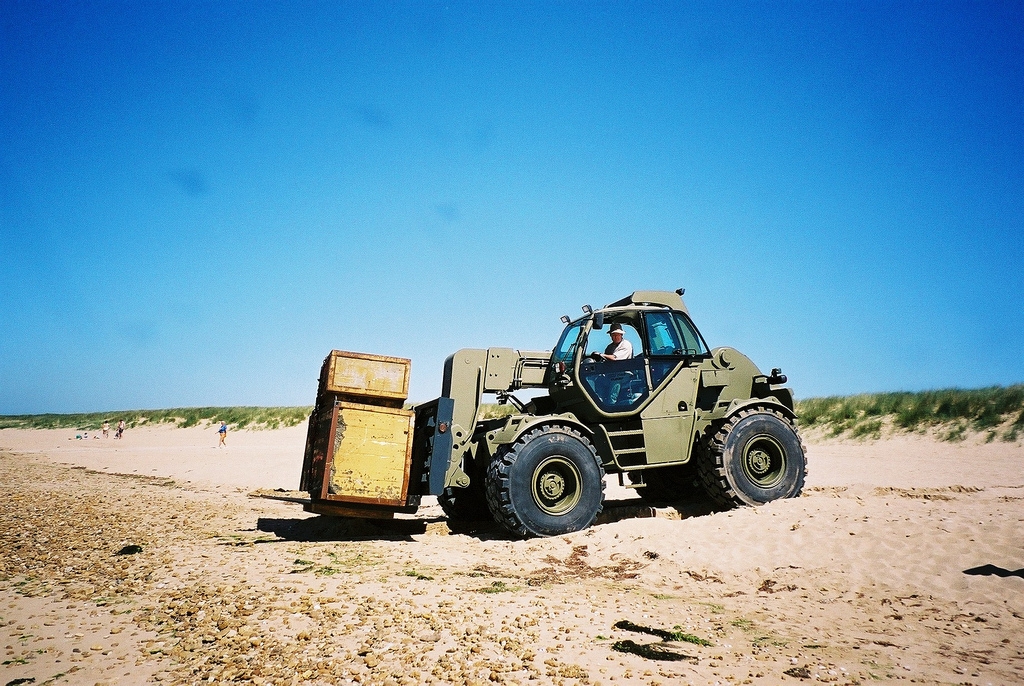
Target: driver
619, 348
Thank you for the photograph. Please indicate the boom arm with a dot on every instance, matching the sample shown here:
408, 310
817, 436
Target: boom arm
468, 374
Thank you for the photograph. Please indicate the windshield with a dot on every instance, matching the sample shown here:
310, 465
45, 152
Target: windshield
565, 350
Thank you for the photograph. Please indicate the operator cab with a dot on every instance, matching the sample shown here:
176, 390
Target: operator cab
662, 341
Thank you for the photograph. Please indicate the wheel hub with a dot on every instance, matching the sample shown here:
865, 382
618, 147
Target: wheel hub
764, 461
552, 485
557, 485
760, 462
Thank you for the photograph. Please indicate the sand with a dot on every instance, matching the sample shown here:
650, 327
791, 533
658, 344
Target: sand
903, 560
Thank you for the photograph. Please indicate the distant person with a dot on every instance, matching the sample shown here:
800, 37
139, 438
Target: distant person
223, 433
120, 429
106, 429
619, 348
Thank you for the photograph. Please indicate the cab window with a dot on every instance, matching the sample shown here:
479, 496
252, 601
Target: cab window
692, 342
614, 385
664, 345
662, 336
670, 337
598, 340
565, 350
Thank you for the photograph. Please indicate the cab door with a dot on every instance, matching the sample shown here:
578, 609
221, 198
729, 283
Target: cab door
615, 387
669, 418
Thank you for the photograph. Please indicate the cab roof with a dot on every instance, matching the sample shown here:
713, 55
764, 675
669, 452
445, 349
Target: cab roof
670, 299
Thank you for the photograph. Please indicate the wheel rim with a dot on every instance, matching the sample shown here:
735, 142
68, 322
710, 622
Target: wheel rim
557, 485
764, 461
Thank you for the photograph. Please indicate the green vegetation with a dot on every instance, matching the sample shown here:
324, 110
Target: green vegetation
494, 411
416, 575
182, 417
675, 635
497, 587
997, 411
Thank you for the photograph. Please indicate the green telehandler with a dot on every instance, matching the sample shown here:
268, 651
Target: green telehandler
651, 403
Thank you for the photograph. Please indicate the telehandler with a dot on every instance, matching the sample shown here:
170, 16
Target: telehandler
676, 419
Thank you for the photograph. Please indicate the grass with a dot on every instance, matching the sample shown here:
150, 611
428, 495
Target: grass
497, 587
494, 411
656, 651
676, 634
997, 411
416, 575
182, 417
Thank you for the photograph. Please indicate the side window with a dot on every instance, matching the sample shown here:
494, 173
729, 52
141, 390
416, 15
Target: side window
598, 341
692, 343
662, 337
664, 345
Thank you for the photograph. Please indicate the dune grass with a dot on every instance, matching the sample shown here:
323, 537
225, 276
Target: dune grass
495, 411
182, 417
952, 413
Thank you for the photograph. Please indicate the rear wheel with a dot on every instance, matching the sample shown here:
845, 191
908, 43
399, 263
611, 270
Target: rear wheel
548, 482
755, 457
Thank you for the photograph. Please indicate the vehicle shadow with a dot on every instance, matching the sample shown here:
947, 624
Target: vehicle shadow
617, 510
325, 528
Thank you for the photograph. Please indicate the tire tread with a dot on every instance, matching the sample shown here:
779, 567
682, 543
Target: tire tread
499, 498
712, 467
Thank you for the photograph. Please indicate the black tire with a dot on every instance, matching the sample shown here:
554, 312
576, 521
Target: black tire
549, 482
465, 504
755, 457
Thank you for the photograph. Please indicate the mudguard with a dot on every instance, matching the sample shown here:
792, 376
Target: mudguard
518, 424
737, 405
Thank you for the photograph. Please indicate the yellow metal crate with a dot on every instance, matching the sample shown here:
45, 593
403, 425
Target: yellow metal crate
368, 377
370, 455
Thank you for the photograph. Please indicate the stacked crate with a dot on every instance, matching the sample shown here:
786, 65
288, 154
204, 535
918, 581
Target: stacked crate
359, 442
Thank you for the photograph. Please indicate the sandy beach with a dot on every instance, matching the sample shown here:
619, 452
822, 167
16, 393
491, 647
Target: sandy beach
150, 559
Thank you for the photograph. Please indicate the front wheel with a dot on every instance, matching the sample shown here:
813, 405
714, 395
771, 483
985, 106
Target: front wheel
546, 483
464, 504
755, 457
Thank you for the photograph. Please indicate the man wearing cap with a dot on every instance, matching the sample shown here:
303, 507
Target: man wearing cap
619, 348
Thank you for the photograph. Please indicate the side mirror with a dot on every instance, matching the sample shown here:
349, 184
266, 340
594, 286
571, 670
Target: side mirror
599, 321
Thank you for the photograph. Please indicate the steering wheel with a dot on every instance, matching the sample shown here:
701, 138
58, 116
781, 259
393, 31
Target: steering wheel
595, 357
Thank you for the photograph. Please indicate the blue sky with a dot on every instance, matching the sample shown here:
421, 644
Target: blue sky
199, 200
